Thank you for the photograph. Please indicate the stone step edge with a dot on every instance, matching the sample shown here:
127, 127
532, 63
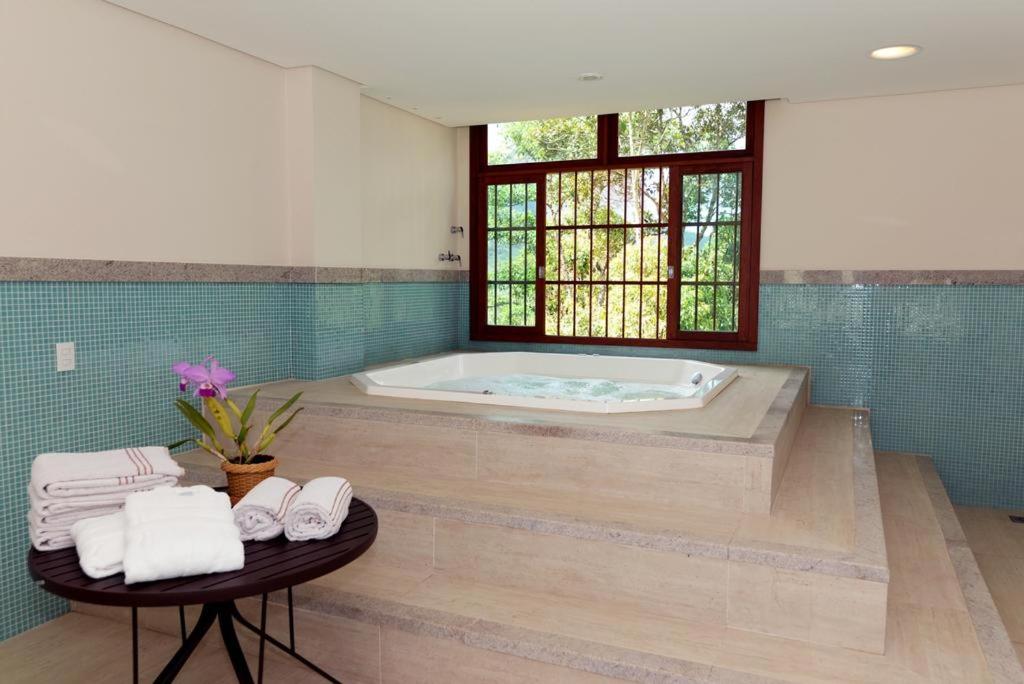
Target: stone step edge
564, 651
784, 557
991, 632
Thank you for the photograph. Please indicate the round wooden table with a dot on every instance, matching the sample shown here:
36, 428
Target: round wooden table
269, 566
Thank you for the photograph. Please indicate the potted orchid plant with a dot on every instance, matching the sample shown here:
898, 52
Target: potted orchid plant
228, 433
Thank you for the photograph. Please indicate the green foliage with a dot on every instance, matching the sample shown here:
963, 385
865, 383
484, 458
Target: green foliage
683, 129
605, 241
546, 140
226, 415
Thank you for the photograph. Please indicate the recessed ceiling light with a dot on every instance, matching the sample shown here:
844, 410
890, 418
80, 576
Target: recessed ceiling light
895, 52
590, 76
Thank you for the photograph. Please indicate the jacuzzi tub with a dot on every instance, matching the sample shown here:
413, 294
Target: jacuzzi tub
563, 382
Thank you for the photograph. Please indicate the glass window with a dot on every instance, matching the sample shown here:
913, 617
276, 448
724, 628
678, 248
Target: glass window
674, 130
607, 235
512, 254
545, 140
709, 275
653, 246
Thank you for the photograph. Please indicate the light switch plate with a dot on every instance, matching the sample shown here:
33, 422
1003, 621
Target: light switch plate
65, 356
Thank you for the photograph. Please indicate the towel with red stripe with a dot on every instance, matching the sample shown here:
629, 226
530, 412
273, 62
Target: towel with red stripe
319, 509
68, 487
260, 513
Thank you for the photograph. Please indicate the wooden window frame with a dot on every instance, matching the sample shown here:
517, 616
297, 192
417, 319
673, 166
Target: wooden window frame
749, 161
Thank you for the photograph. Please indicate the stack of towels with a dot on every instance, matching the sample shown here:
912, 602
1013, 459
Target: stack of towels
66, 488
161, 534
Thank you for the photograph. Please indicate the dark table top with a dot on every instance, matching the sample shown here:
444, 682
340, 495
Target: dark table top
269, 566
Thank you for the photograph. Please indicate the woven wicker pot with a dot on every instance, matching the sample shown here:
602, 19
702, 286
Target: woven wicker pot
244, 476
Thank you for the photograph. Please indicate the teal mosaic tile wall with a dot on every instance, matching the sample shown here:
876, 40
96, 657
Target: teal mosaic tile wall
343, 328
328, 327
128, 334
411, 319
941, 368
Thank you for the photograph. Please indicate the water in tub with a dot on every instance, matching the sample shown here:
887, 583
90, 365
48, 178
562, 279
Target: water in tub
550, 387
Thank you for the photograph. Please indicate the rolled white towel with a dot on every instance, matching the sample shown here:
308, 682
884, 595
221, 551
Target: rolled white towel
100, 472
100, 544
319, 509
260, 513
179, 531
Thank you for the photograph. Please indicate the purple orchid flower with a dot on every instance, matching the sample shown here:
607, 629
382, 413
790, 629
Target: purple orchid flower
211, 381
181, 369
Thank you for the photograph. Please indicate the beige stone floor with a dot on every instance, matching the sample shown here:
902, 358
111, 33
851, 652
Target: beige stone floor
998, 545
85, 648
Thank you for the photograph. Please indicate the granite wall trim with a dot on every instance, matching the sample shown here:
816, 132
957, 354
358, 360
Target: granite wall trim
414, 275
28, 269
892, 277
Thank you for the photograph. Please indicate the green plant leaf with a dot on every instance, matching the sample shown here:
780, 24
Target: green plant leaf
198, 421
283, 425
180, 442
206, 447
250, 406
216, 410
284, 407
265, 442
202, 445
234, 408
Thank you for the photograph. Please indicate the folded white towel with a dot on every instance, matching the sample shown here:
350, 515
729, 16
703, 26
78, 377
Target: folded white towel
260, 513
319, 509
69, 510
48, 538
179, 531
102, 472
100, 544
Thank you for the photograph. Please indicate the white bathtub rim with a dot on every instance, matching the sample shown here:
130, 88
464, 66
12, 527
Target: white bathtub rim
716, 379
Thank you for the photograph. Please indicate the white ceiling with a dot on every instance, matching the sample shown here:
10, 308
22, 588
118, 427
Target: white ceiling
477, 61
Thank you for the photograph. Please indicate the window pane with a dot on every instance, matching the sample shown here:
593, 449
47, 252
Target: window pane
544, 140
612, 279
511, 254
672, 130
710, 270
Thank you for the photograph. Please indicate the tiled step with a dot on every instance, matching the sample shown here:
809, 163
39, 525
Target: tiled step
435, 628
821, 555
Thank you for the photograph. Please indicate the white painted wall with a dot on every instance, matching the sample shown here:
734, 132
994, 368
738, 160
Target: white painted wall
123, 138
927, 181
322, 147
409, 189
336, 171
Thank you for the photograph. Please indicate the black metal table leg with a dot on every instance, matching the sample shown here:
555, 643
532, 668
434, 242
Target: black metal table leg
263, 636
225, 613
181, 623
282, 647
203, 624
135, 645
291, 620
